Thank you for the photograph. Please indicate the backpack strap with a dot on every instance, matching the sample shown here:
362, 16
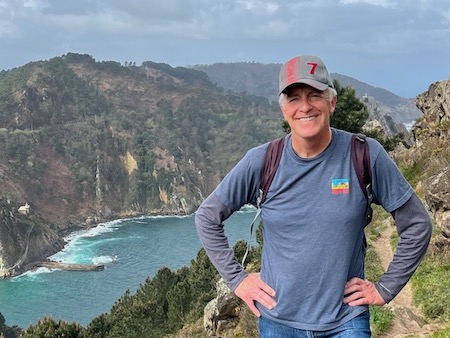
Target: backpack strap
361, 163
270, 165
271, 161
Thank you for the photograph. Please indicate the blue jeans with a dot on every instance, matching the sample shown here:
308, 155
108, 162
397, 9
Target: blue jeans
358, 327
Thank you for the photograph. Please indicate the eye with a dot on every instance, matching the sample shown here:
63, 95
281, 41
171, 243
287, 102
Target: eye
315, 96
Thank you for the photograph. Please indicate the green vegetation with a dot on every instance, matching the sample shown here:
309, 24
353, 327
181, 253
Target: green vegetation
431, 284
6, 331
89, 115
48, 327
350, 113
160, 306
444, 333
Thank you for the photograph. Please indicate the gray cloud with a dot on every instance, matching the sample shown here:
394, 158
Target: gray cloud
400, 45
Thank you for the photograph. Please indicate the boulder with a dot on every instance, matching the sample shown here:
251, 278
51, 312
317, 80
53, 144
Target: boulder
221, 312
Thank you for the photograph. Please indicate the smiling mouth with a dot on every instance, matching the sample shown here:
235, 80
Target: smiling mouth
306, 119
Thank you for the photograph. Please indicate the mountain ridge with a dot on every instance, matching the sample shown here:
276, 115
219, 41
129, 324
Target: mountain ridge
262, 79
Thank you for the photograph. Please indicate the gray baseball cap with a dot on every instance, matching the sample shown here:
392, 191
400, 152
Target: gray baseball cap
306, 69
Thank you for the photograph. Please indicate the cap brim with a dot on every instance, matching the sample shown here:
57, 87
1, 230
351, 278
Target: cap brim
313, 83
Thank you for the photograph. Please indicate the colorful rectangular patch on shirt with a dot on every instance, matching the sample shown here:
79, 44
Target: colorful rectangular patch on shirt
340, 186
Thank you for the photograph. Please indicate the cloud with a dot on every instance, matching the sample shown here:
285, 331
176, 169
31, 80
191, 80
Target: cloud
380, 3
366, 38
36, 5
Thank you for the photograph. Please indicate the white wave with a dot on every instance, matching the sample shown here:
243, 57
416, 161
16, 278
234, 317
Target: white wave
72, 253
32, 274
103, 259
168, 216
97, 230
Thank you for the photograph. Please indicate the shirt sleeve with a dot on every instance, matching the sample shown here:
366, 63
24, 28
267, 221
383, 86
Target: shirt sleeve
390, 187
414, 227
239, 187
209, 222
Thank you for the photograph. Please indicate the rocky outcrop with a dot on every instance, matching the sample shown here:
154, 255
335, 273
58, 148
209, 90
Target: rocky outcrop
24, 239
220, 313
431, 137
380, 121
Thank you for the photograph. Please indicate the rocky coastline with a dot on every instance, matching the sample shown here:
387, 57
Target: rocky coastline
64, 230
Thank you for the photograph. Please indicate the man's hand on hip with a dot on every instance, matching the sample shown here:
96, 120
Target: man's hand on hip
361, 292
252, 289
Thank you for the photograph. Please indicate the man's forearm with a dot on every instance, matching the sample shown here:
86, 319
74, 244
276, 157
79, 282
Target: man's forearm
209, 220
414, 228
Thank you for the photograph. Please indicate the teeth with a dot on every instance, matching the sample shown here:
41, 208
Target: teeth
309, 118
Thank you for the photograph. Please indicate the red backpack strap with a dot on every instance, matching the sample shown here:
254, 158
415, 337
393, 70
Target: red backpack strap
270, 165
361, 163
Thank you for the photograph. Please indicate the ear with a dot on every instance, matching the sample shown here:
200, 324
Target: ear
281, 104
333, 105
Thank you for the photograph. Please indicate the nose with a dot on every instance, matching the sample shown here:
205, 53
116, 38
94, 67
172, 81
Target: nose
303, 104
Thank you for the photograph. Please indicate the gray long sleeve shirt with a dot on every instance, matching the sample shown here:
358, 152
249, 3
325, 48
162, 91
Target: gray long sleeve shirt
313, 230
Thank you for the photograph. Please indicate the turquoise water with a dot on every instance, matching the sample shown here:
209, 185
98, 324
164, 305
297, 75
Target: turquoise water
131, 251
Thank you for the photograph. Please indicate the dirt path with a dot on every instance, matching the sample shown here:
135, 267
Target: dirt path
407, 322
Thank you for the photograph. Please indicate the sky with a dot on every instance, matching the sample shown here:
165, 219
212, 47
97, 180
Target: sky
399, 45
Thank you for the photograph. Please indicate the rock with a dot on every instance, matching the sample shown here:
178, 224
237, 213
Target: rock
438, 191
222, 311
435, 104
380, 120
431, 136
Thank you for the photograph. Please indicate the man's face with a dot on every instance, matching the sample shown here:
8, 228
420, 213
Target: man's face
307, 111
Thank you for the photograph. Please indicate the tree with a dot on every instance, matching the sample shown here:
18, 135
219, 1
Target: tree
48, 327
350, 113
6, 331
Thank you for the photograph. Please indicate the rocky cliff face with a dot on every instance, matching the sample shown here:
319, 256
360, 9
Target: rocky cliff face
381, 121
430, 155
24, 238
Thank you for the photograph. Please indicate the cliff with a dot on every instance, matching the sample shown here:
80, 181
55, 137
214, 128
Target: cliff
427, 162
431, 137
83, 141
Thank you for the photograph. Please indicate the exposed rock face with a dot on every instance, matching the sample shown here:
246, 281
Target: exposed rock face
220, 312
24, 238
380, 121
435, 103
431, 136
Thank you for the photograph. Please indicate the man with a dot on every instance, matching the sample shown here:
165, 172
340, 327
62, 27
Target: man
312, 274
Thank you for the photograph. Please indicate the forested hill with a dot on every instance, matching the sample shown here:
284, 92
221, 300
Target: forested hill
82, 140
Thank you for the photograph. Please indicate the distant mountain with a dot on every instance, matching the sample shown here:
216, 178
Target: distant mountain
262, 80
402, 110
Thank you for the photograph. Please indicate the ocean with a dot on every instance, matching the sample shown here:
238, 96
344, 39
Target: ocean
131, 250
